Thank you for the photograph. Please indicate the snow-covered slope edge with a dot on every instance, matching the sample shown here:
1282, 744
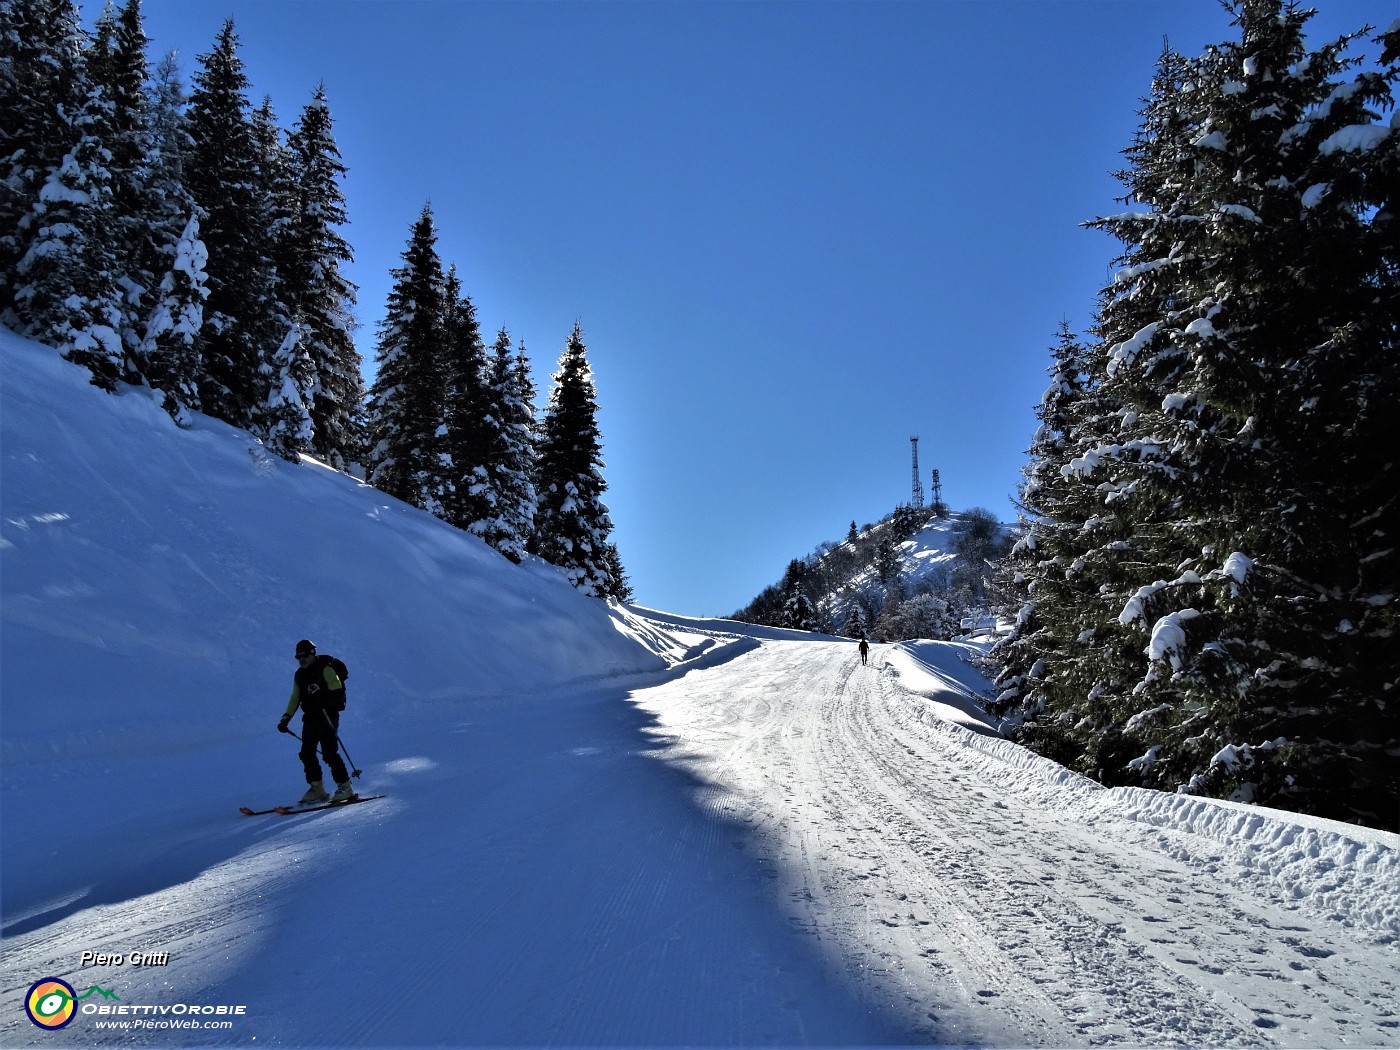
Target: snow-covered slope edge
1344, 871
155, 581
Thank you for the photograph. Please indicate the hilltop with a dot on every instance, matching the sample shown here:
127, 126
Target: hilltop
919, 572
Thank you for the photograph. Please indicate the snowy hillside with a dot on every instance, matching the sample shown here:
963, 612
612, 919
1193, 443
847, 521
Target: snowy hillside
142, 560
602, 825
929, 560
918, 573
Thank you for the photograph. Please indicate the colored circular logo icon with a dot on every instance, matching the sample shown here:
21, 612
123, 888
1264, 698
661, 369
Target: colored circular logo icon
51, 1003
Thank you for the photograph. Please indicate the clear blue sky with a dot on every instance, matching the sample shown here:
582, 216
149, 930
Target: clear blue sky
795, 233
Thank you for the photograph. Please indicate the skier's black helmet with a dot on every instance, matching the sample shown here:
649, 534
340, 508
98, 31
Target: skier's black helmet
306, 648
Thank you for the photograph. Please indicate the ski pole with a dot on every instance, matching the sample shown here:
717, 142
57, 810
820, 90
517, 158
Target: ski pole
354, 770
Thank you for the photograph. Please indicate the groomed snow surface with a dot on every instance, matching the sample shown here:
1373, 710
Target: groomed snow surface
603, 826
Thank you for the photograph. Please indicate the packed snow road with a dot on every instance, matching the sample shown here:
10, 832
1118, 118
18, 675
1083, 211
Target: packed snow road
779, 847
984, 896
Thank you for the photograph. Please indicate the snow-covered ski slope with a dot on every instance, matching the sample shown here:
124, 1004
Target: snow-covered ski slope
603, 826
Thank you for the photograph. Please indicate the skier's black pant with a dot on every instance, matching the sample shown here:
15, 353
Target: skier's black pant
319, 730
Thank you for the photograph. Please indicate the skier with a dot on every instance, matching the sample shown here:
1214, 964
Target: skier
864, 650
320, 694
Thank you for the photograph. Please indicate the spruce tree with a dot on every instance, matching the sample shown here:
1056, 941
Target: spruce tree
515, 389
286, 420
144, 230
170, 346
855, 625
508, 458
572, 527
466, 498
1230, 599
43, 88
320, 298
1061, 523
68, 294
406, 404
244, 324
158, 240
619, 585
799, 613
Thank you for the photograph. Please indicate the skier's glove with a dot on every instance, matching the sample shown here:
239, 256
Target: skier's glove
284, 723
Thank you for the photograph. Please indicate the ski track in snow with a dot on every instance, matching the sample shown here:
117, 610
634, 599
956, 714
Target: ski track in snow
982, 917
778, 848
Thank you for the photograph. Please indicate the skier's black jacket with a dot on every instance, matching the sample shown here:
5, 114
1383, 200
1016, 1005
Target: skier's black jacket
317, 687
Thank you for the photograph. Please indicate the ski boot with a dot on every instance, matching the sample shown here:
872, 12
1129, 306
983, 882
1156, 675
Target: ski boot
315, 793
343, 792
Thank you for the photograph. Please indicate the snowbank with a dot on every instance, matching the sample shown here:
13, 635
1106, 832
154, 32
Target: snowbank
1343, 871
942, 673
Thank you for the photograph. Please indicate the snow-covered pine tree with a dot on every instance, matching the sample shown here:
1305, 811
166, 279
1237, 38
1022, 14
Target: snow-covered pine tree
508, 459
620, 586
98, 56
68, 294
514, 388
170, 349
1349, 383
1061, 523
406, 401
43, 87
319, 296
160, 223
289, 379
572, 526
855, 625
1229, 624
145, 229
170, 141
468, 501
286, 419
798, 611
244, 324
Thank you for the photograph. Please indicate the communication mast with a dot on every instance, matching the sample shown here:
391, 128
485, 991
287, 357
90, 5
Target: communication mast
938, 506
918, 497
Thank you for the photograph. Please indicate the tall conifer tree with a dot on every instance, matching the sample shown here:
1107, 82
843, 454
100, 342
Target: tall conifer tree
170, 346
144, 230
572, 527
319, 296
1046, 563
1232, 608
465, 496
244, 325
68, 293
43, 87
509, 456
406, 401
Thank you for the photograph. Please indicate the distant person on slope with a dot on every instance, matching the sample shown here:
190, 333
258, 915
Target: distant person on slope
864, 651
320, 694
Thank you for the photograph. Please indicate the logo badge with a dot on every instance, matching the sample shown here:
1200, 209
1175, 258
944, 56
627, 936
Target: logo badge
51, 1003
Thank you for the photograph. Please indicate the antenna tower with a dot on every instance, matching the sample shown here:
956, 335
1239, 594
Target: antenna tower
918, 496
938, 495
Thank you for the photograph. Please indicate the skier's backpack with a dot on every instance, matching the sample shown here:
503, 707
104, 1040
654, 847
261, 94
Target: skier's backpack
341, 671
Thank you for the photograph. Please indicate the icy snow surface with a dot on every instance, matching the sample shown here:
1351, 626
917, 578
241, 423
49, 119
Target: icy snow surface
604, 825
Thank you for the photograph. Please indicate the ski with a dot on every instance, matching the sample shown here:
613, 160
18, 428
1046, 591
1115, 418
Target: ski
287, 811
